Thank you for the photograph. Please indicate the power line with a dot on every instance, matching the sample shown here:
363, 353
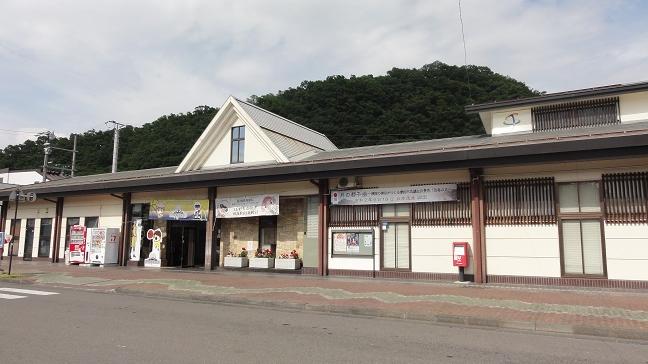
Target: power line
463, 38
20, 131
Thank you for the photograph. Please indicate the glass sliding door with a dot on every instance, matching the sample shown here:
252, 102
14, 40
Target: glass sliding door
29, 239
396, 246
581, 229
45, 238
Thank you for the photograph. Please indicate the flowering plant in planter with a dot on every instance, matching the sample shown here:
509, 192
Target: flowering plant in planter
267, 253
292, 255
242, 254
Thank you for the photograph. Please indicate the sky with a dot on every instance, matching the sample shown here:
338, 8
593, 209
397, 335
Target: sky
69, 66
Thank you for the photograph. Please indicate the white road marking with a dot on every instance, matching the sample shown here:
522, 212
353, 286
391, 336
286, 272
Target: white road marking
27, 291
10, 296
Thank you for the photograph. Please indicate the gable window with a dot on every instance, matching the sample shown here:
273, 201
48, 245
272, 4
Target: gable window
238, 144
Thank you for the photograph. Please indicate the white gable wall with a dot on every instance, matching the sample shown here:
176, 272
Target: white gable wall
254, 149
212, 149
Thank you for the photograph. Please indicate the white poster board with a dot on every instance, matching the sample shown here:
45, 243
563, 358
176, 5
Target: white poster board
136, 240
247, 206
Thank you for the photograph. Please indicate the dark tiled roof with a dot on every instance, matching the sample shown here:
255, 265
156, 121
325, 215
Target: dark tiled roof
278, 124
562, 96
441, 153
477, 142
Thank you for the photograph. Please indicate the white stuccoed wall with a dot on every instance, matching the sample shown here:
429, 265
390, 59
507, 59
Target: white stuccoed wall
523, 250
432, 248
626, 248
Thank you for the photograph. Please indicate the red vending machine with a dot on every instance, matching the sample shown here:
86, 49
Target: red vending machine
77, 244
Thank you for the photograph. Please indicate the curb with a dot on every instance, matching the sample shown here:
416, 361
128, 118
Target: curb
468, 321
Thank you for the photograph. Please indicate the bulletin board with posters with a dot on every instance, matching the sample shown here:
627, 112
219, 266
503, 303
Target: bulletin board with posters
352, 243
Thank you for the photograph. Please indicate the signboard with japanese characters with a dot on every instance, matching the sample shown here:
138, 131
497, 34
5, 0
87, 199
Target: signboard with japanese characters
381, 196
184, 210
246, 206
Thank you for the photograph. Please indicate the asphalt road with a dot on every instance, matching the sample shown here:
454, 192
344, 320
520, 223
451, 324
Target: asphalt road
87, 327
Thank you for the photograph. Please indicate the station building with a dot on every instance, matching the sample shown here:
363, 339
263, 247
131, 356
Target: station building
555, 192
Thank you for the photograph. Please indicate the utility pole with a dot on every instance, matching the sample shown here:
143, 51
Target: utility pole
74, 152
47, 151
116, 127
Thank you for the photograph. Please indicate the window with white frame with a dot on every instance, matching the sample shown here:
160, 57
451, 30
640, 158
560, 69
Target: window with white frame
238, 144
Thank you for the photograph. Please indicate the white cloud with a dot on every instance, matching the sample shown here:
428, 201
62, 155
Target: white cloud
70, 65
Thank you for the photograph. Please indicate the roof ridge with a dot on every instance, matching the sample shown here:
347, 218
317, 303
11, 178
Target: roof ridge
281, 117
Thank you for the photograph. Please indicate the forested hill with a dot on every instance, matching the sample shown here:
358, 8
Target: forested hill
403, 105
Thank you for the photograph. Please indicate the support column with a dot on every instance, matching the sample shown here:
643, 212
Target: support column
126, 226
58, 217
3, 214
322, 236
3, 221
478, 229
211, 222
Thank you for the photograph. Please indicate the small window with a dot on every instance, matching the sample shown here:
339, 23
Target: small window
238, 144
91, 222
579, 197
396, 210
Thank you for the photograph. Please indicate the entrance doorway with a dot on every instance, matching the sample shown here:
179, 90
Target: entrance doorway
186, 244
29, 238
395, 237
268, 233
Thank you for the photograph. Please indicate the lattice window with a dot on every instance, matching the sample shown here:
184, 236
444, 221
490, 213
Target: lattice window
444, 213
576, 114
625, 197
364, 215
520, 201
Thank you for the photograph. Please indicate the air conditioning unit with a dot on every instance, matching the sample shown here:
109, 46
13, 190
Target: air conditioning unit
348, 182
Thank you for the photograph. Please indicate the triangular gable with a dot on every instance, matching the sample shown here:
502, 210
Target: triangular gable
212, 149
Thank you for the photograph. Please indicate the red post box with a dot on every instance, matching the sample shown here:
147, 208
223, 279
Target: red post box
460, 254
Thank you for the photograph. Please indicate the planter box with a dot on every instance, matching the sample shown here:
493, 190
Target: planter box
289, 264
236, 262
262, 263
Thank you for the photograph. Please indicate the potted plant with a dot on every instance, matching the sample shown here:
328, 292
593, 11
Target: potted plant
239, 260
288, 261
263, 259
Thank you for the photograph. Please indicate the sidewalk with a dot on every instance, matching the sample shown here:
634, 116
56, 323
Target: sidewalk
599, 312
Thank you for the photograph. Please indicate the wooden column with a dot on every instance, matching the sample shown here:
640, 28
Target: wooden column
322, 236
126, 226
210, 239
478, 223
58, 218
3, 215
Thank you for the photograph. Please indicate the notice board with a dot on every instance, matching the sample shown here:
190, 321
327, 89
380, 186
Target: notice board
352, 243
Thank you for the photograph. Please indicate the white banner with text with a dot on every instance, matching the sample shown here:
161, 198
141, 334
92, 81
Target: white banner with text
382, 196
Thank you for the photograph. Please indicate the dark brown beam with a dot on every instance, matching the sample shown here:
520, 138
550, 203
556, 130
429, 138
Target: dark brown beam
210, 238
478, 229
322, 236
126, 226
58, 217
